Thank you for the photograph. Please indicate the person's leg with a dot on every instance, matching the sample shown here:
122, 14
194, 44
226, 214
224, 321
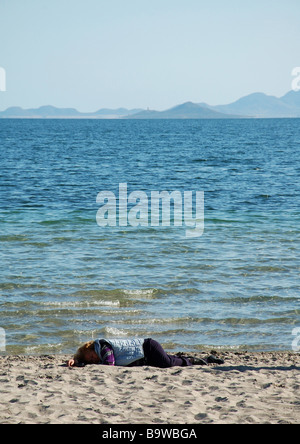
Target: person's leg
157, 357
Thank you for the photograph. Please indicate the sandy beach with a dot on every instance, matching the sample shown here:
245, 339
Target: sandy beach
249, 388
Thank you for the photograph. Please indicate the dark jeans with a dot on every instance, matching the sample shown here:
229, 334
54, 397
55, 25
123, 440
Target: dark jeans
155, 356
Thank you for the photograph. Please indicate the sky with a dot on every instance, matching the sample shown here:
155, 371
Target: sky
154, 54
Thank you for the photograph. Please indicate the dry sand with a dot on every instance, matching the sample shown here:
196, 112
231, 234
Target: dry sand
248, 388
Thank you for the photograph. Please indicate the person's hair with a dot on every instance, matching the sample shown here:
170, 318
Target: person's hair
80, 354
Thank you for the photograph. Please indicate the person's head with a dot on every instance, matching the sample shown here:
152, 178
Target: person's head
86, 354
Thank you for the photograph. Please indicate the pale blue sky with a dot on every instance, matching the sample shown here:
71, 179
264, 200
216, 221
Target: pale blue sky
91, 54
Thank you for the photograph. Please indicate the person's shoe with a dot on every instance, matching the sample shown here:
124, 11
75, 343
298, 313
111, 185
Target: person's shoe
213, 360
198, 361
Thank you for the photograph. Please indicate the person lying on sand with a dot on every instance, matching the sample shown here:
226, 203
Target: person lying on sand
133, 352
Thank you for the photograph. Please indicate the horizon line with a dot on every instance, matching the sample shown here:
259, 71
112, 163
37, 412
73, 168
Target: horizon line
141, 109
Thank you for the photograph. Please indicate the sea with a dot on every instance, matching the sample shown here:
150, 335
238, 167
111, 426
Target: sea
66, 279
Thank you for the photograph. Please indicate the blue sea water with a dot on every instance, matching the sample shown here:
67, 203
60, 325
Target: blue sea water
65, 280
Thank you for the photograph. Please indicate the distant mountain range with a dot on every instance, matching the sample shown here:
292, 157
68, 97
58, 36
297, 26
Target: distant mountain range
256, 105
49, 111
188, 110
261, 105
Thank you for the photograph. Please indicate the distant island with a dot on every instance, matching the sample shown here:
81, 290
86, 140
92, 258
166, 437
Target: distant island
256, 105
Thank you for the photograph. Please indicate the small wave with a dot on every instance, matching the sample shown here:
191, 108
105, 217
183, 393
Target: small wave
13, 238
28, 306
199, 160
66, 304
114, 292
253, 321
15, 285
262, 268
148, 292
115, 332
258, 298
155, 321
43, 348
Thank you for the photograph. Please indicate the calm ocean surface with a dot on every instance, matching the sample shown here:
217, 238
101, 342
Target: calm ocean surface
65, 280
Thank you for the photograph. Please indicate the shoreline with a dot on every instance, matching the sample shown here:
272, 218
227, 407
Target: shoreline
250, 387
